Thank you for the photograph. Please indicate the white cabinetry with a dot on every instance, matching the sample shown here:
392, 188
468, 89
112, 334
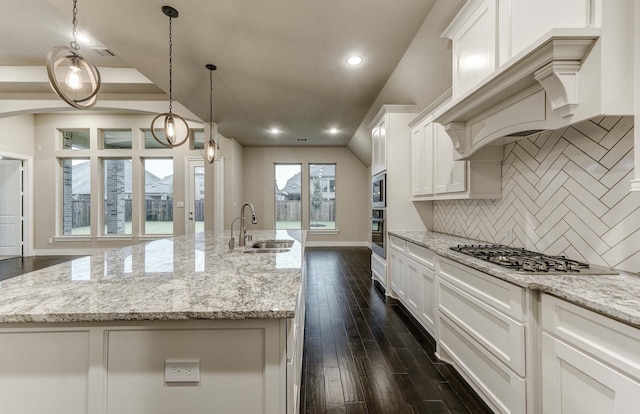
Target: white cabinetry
379, 147
435, 175
487, 33
398, 273
391, 142
481, 331
413, 280
590, 363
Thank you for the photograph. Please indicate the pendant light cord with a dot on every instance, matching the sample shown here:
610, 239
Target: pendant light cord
170, 66
211, 105
74, 43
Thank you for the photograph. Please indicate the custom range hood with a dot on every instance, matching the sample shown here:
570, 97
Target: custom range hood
506, 88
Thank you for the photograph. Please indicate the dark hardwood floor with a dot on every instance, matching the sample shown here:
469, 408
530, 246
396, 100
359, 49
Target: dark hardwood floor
365, 354
19, 265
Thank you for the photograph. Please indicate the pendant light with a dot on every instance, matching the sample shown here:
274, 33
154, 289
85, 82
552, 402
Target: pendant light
211, 149
171, 120
72, 77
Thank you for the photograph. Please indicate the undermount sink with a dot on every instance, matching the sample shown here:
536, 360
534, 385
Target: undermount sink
270, 246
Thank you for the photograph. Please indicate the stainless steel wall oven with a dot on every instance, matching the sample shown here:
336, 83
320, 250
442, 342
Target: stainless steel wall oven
378, 232
379, 191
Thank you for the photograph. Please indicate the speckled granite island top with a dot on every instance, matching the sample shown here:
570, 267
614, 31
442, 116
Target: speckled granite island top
185, 277
617, 296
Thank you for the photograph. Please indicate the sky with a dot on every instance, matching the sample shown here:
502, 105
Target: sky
284, 172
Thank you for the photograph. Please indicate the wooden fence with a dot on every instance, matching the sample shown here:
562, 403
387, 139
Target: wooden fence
157, 210
290, 210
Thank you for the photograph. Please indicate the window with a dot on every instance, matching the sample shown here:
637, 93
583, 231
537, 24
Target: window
151, 143
322, 196
117, 196
198, 138
75, 138
158, 194
116, 139
76, 196
288, 191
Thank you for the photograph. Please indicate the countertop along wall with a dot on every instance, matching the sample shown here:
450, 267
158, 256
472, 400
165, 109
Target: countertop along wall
564, 192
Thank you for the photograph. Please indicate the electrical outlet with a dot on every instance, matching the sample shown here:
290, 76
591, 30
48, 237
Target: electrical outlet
182, 371
50, 240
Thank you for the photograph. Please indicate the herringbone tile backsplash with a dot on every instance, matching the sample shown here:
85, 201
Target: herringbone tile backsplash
563, 192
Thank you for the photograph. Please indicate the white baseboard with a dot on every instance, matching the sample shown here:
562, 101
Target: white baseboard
68, 252
338, 244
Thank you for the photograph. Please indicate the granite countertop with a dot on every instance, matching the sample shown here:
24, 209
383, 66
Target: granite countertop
184, 277
617, 296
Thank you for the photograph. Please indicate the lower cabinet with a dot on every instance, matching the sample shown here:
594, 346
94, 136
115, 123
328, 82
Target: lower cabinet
413, 280
590, 363
482, 333
522, 351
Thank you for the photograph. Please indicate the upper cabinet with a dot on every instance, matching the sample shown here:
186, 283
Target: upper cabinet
436, 175
523, 66
379, 147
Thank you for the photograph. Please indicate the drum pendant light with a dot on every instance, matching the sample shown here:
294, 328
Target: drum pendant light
72, 77
170, 120
211, 151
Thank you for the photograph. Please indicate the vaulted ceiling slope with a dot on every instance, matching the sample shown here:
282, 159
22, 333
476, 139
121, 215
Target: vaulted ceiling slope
281, 63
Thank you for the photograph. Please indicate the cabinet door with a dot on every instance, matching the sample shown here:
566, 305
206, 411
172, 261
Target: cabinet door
398, 274
450, 174
417, 137
414, 287
427, 160
574, 382
428, 315
382, 145
375, 151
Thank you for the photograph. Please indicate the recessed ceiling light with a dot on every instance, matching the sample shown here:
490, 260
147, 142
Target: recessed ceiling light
274, 131
333, 131
83, 38
354, 60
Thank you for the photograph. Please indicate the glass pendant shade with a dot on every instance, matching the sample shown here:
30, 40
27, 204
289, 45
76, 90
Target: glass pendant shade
72, 77
211, 150
171, 123
209, 153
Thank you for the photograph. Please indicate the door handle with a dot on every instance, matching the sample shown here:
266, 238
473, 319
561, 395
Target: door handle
191, 215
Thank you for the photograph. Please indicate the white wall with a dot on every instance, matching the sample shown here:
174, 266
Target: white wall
16, 136
353, 184
232, 152
47, 206
422, 75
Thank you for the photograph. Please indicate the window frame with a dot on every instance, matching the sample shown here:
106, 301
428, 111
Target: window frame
275, 200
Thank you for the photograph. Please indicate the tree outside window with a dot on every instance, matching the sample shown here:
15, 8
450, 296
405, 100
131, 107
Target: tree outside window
322, 193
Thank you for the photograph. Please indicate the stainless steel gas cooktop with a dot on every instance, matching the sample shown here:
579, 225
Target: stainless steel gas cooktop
528, 262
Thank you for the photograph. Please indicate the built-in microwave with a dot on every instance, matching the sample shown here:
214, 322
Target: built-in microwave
379, 191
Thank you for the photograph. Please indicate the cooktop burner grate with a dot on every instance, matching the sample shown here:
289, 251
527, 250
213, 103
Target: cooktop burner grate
526, 261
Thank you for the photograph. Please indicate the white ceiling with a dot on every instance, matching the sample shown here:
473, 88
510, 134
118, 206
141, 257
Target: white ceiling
281, 63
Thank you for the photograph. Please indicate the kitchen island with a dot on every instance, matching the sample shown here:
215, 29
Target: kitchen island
172, 325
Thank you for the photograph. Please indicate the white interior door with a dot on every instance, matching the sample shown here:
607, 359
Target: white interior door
10, 208
195, 197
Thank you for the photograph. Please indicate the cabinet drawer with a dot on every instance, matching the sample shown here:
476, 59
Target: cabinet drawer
421, 254
503, 296
398, 243
502, 389
497, 333
611, 341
